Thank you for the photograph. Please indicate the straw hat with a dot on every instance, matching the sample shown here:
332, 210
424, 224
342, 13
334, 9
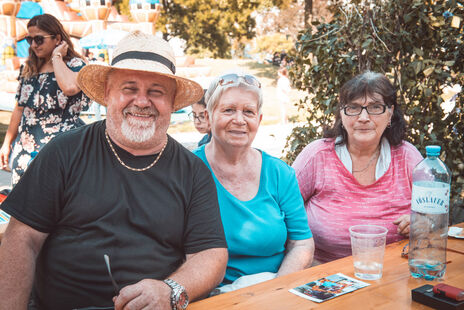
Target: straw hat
139, 52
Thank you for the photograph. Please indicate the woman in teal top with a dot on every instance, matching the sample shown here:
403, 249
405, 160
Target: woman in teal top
261, 207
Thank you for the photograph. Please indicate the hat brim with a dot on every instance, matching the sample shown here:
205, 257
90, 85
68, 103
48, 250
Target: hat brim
92, 79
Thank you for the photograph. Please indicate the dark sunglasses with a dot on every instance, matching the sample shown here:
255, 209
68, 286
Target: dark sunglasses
234, 78
39, 40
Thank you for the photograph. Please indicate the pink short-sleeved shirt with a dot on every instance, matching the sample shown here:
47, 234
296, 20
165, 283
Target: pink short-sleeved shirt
334, 200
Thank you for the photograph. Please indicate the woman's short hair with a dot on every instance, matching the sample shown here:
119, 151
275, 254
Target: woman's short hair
215, 91
364, 85
50, 25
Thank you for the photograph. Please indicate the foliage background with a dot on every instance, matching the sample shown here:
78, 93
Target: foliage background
418, 44
212, 25
274, 42
212, 28
279, 26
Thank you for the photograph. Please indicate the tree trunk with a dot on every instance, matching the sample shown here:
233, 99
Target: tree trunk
308, 12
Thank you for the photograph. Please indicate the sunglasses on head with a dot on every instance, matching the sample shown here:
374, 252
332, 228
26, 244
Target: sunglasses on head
39, 40
234, 78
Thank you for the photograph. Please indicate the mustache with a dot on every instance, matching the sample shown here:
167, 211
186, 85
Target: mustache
152, 111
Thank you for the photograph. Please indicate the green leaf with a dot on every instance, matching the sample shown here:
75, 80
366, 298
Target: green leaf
428, 92
418, 51
417, 66
427, 71
367, 43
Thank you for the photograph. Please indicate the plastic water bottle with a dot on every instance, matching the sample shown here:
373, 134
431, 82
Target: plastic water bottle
429, 216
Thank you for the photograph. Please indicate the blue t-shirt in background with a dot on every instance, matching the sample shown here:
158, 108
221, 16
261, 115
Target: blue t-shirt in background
257, 230
206, 138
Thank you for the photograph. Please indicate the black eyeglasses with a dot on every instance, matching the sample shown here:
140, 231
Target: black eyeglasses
373, 109
200, 118
234, 78
39, 40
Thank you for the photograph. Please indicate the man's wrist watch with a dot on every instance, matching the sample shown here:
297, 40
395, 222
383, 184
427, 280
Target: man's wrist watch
179, 297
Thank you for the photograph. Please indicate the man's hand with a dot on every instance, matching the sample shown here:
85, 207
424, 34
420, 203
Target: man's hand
146, 294
403, 224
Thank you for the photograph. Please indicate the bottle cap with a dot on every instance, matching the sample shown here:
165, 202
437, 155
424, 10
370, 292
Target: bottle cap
433, 150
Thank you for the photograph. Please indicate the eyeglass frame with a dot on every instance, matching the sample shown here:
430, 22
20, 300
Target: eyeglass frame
367, 109
200, 118
41, 38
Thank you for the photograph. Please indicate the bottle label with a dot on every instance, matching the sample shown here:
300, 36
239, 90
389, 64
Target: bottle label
434, 200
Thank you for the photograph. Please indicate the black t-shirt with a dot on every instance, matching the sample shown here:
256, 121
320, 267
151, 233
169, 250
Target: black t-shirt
78, 192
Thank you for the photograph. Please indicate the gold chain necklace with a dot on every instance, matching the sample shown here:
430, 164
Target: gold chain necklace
368, 164
130, 168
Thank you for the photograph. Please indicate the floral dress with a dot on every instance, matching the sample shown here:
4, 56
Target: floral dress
47, 112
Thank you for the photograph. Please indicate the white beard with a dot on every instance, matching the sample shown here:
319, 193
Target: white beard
138, 132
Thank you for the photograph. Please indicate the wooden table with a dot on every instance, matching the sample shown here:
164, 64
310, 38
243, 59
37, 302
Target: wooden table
393, 291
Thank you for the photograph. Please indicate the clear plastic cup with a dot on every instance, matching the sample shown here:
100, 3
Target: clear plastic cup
368, 247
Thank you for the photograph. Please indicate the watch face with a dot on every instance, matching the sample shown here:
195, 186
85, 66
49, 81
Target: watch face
183, 300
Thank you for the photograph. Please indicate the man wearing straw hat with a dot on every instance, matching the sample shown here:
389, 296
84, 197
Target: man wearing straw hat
119, 190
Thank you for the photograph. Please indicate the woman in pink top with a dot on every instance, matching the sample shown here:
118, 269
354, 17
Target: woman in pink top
360, 173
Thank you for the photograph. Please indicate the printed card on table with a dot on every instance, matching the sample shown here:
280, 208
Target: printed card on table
329, 287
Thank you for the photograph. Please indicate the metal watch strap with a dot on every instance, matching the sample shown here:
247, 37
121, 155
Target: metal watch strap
176, 291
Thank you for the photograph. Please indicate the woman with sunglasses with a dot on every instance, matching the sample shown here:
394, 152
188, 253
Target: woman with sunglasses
261, 208
360, 173
49, 101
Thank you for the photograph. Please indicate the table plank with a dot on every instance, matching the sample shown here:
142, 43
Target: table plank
392, 291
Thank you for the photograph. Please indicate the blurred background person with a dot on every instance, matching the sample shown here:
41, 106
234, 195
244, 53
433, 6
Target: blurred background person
276, 59
101, 58
360, 173
261, 207
90, 56
48, 100
200, 121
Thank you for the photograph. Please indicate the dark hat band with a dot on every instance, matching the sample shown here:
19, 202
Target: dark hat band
145, 56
